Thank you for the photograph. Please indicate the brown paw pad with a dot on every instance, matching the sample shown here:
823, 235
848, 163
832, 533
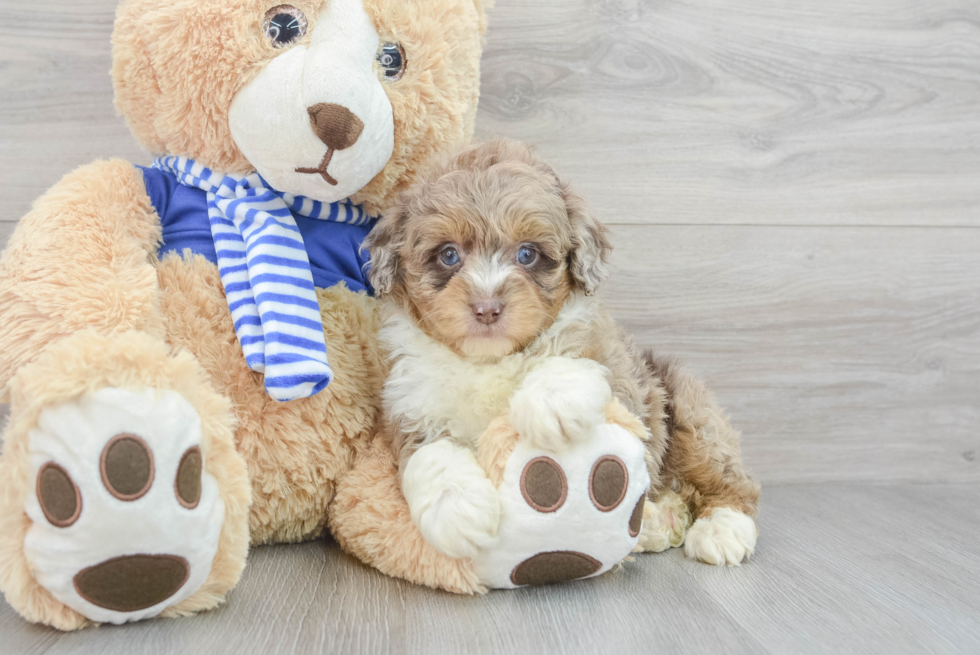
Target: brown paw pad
132, 582
557, 566
188, 482
608, 483
60, 499
127, 467
543, 484
636, 518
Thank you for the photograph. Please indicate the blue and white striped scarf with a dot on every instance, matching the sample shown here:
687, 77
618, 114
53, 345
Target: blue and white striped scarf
266, 273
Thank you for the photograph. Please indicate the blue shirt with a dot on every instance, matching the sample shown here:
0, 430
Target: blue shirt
334, 248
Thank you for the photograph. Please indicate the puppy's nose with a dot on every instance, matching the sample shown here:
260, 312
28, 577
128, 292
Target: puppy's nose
335, 125
487, 312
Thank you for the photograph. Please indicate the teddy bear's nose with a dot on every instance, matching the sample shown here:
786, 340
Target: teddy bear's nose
335, 125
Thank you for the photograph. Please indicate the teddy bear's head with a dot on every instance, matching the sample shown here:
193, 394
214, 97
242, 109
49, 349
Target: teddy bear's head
327, 99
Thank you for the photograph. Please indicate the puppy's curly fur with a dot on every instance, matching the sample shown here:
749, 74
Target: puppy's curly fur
489, 268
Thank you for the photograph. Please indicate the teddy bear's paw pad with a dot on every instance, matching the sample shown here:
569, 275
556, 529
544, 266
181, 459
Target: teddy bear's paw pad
567, 515
727, 536
543, 484
608, 483
126, 520
550, 568
132, 582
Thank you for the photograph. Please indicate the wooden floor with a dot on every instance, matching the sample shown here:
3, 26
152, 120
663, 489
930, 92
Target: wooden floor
794, 194
850, 568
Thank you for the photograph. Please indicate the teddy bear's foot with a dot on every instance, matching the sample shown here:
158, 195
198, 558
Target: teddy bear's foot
568, 515
665, 523
724, 536
126, 521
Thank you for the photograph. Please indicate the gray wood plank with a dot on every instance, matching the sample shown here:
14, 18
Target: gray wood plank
742, 111
840, 568
747, 111
842, 354
56, 109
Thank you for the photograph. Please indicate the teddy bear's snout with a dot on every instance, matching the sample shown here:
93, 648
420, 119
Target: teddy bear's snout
335, 125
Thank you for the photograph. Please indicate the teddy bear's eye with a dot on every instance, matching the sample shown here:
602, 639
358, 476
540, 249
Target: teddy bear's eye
284, 25
391, 58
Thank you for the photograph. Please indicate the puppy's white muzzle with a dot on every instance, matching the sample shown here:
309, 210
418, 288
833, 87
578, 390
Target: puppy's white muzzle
270, 118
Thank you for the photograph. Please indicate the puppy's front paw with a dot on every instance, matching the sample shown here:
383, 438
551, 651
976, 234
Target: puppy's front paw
560, 402
451, 500
727, 536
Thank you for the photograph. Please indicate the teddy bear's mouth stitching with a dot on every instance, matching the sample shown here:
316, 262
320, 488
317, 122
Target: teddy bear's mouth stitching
321, 170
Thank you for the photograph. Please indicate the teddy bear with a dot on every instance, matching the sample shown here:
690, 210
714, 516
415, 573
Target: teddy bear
190, 349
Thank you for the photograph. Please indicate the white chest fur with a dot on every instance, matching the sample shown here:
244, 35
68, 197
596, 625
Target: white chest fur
432, 390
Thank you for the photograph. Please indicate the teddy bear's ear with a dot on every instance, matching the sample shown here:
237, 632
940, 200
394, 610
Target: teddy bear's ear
482, 6
384, 244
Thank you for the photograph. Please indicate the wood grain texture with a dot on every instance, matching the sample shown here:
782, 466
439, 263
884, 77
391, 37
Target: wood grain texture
56, 109
719, 111
747, 111
839, 569
843, 354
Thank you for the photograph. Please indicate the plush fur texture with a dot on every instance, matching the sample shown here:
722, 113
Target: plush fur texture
297, 450
79, 259
80, 364
178, 64
551, 359
81, 271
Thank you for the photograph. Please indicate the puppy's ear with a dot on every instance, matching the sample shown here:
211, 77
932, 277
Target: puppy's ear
384, 244
590, 243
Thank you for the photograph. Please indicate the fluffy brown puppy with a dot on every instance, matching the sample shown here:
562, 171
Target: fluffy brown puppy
490, 267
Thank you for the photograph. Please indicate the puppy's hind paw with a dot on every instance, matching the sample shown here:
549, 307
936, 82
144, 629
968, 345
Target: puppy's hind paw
452, 502
727, 536
560, 402
665, 523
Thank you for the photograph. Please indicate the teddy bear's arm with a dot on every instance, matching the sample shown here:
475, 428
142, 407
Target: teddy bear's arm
83, 257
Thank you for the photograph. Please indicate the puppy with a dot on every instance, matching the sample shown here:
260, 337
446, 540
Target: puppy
489, 269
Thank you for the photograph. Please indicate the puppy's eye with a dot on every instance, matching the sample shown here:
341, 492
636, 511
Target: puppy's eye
449, 257
526, 256
284, 25
391, 59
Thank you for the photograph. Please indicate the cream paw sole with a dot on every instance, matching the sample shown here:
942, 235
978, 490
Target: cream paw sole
567, 515
126, 521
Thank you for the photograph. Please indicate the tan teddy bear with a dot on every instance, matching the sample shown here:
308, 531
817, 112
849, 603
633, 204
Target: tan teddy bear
191, 350
190, 355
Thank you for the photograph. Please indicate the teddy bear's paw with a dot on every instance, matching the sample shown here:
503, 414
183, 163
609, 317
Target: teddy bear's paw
568, 515
451, 500
665, 523
560, 403
726, 536
126, 521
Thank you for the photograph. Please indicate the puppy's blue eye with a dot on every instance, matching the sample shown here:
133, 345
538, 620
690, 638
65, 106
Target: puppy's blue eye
526, 256
449, 257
